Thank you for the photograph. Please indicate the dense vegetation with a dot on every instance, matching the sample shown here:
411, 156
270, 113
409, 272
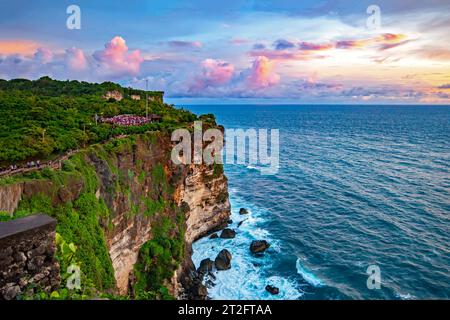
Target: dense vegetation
45, 86
79, 222
43, 118
159, 258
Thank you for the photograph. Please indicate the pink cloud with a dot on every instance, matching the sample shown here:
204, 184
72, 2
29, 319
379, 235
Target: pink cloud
20, 47
391, 37
116, 61
76, 59
261, 74
219, 78
352, 44
285, 51
214, 73
308, 46
43, 55
217, 71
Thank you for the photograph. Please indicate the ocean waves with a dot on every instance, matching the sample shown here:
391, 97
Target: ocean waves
357, 186
249, 274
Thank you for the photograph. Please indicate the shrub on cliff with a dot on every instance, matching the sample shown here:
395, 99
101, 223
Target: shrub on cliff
159, 258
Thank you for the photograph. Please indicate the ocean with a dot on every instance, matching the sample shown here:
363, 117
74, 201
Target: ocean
357, 186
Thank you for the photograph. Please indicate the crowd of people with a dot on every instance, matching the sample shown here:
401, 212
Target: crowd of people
127, 120
14, 167
37, 164
121, 120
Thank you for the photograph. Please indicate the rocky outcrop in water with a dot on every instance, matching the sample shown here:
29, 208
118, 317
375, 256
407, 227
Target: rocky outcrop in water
243, 211
272, 290
223, 260
259, 246
228, 234
206, 265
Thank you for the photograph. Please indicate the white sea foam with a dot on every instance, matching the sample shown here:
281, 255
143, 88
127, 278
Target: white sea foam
307, 275
261, 167
406, 296
249, 275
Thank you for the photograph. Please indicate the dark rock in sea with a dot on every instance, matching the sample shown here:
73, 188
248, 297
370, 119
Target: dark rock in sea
259, 246
273, 290
223, 260
241, 222
228, 234
206, 265
243, 211
213, 236
230, 221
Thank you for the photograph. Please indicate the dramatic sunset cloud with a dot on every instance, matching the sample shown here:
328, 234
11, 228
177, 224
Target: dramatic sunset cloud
76, 59
44, 55
308, 46
285, 50
115, 60
282, 44
281, 50
20, 47
352, 44
262, 74
214, 73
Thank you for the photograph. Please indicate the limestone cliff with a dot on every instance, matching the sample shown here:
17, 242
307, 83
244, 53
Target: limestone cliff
206, 193
138, 192
10, 195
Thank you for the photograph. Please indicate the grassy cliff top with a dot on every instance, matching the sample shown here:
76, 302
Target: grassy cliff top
43, 118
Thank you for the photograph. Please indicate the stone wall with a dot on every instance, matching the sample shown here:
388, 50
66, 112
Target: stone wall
27, 249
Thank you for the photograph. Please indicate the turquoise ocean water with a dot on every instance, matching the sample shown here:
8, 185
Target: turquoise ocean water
357, 186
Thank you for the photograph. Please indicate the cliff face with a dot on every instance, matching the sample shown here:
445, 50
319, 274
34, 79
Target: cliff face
206, 193
10, 195
141, 189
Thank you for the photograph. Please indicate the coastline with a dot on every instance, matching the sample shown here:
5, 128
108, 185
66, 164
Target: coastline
249, 274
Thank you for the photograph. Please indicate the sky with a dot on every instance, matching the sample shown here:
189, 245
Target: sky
255, 51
